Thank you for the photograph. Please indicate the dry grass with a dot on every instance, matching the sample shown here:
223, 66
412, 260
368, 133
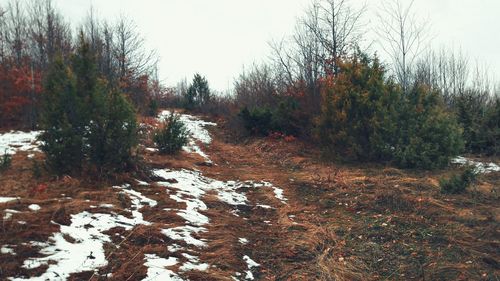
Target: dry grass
341, 222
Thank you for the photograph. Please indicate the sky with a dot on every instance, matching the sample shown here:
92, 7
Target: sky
217, 38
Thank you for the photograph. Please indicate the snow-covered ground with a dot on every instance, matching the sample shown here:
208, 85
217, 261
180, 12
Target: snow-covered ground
86, 253
480, 167
14, 141
85, 249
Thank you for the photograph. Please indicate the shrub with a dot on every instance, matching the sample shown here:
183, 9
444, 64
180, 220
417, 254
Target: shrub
112, 134
153, 108
62, 120
5, 161
458, 183
427, 136
257, 121
285, 118
358, 112
172, 137
366, 117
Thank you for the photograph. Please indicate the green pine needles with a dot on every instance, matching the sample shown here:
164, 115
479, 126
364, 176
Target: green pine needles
86, 123
172, 136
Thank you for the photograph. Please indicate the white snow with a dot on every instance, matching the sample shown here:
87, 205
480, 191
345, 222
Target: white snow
18, 141
157, 268
8, 213
7, 250
34, 207
143, 183
243, 241
86, 252
109, 206
174, 248
185, 233
193, 264
480, 167
8, 199
264, 206
250, 264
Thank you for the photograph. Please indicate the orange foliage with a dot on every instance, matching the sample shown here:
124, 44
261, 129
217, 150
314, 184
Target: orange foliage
20, 87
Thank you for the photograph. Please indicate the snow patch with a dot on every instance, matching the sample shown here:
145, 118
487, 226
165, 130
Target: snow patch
243, 241
250, 264
480, 167
7, 250
34, 207
8, 199
157, 268
193, 264
8, 214
86, 251
14, 141
185, 233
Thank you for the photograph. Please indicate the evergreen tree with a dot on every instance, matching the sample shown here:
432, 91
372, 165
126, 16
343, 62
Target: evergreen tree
61, 120
427, 136
358, 111
84, 122
198, 93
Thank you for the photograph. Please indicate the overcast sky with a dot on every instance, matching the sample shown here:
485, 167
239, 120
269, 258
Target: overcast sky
217, 37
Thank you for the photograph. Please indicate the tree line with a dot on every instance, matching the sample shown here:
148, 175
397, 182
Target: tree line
418, 108
34, 33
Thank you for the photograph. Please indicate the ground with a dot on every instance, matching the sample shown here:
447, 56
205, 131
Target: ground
263, 209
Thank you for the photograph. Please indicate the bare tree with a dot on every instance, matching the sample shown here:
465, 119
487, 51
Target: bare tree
16, 36
129, 50
404, 37
337, 27
3, 34
256, 87
447, 71
329, 30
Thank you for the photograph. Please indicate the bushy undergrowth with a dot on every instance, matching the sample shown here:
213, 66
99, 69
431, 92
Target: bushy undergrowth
479, 115
366, 117
285, 118
458, 184
172, 136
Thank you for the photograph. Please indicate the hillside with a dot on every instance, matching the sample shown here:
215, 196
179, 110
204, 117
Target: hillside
264, 209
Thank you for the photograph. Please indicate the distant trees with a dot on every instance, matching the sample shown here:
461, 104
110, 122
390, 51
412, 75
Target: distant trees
198, 93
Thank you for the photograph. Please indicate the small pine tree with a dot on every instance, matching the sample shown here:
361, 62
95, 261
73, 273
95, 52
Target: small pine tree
198, 94
172, 137
63, 131
459, 183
